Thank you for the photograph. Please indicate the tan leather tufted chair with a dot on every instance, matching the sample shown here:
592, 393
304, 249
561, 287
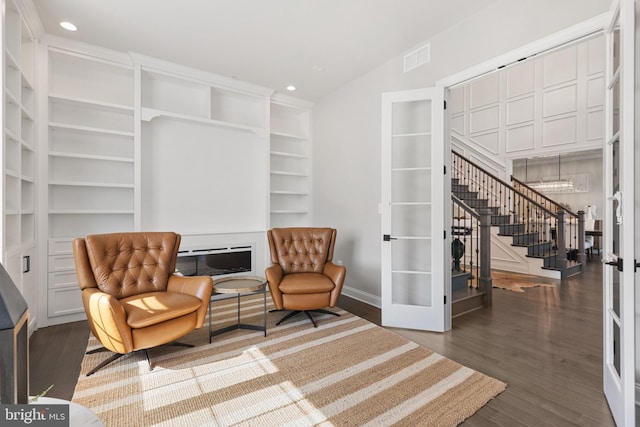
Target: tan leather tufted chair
132, 298
302, 277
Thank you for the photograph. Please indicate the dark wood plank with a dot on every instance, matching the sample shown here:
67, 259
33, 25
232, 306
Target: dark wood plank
55, 355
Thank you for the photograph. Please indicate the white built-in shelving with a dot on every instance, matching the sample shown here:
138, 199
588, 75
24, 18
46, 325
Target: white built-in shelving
19, 154
91, 161
179, 97
214, 131
290, 149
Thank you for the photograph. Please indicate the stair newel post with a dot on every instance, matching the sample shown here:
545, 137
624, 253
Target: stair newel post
561, 257
582, 256
485, 282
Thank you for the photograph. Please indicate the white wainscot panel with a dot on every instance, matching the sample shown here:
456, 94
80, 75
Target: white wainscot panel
484, 119
559, 131
520, 111
485, 91
559, 101
595, 55
595, 125
456, 100
595, 92
489, 141
457, 124
64, 301
520, 138
521, 79
560, 67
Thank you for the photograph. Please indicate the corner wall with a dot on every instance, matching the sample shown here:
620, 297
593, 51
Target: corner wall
346, 154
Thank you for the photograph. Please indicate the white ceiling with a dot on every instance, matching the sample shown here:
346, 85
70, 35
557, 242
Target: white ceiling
272, 43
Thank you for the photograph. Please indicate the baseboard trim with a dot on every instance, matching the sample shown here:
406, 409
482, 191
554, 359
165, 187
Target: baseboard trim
361, 296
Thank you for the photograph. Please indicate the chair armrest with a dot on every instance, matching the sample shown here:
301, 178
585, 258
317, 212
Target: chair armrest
274, 275
198, 286
337, 274
107, 320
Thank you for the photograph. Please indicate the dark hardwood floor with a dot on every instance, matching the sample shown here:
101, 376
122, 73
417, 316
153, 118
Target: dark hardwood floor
545, 343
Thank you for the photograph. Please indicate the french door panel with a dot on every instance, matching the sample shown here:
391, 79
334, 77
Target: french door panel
618, 277
412, 182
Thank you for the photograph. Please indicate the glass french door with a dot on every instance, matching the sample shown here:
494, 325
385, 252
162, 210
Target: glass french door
618, 277
413, 273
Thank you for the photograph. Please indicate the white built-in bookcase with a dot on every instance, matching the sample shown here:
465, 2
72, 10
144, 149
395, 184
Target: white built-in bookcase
290, 166
136, 143
19, 154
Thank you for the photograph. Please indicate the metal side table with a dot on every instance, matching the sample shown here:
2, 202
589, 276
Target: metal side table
240, 286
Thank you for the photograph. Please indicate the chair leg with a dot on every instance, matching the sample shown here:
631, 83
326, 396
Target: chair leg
114, 356
288, 316
308, 313
315, 325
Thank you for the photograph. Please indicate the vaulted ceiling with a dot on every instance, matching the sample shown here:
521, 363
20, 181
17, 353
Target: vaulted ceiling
316, 45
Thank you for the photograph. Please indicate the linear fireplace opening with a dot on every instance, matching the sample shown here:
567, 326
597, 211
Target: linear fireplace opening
227, 260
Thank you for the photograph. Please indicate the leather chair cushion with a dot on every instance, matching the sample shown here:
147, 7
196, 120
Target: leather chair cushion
302, 250
127, 264
305, 283
156, 307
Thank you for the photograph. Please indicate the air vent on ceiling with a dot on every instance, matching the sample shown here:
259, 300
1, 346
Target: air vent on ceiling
417, 57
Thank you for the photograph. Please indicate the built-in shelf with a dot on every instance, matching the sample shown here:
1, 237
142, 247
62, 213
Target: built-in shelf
289, 136
90, 184
289, 159
291, 193
411, 134
19, 159
295, 212
285, 154
90, 157
89, 212
91, 103
149, 114
89, 129
285, 173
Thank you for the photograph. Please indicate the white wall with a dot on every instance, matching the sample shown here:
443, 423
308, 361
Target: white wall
346, 154
551, 103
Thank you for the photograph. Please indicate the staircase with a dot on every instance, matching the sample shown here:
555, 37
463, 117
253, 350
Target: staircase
531, 233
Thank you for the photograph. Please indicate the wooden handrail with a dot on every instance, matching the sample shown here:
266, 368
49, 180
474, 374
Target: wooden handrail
506, 185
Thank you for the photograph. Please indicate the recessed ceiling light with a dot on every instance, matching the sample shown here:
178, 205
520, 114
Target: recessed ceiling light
291, 88
68, 26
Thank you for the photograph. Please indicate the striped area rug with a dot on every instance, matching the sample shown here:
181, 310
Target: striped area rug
346, 372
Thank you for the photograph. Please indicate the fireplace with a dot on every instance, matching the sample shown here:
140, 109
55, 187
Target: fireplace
218, 261
14, 342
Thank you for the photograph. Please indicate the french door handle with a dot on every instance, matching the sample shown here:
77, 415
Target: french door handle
618, 199
617, 263
388, 238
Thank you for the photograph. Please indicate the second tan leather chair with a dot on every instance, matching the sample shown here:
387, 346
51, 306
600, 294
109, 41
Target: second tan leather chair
302, 277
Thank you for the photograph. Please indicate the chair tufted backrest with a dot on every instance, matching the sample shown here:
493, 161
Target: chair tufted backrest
303, 249
126, 264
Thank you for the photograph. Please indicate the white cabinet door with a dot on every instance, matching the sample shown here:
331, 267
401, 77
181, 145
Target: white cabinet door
618, 277
413, 272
